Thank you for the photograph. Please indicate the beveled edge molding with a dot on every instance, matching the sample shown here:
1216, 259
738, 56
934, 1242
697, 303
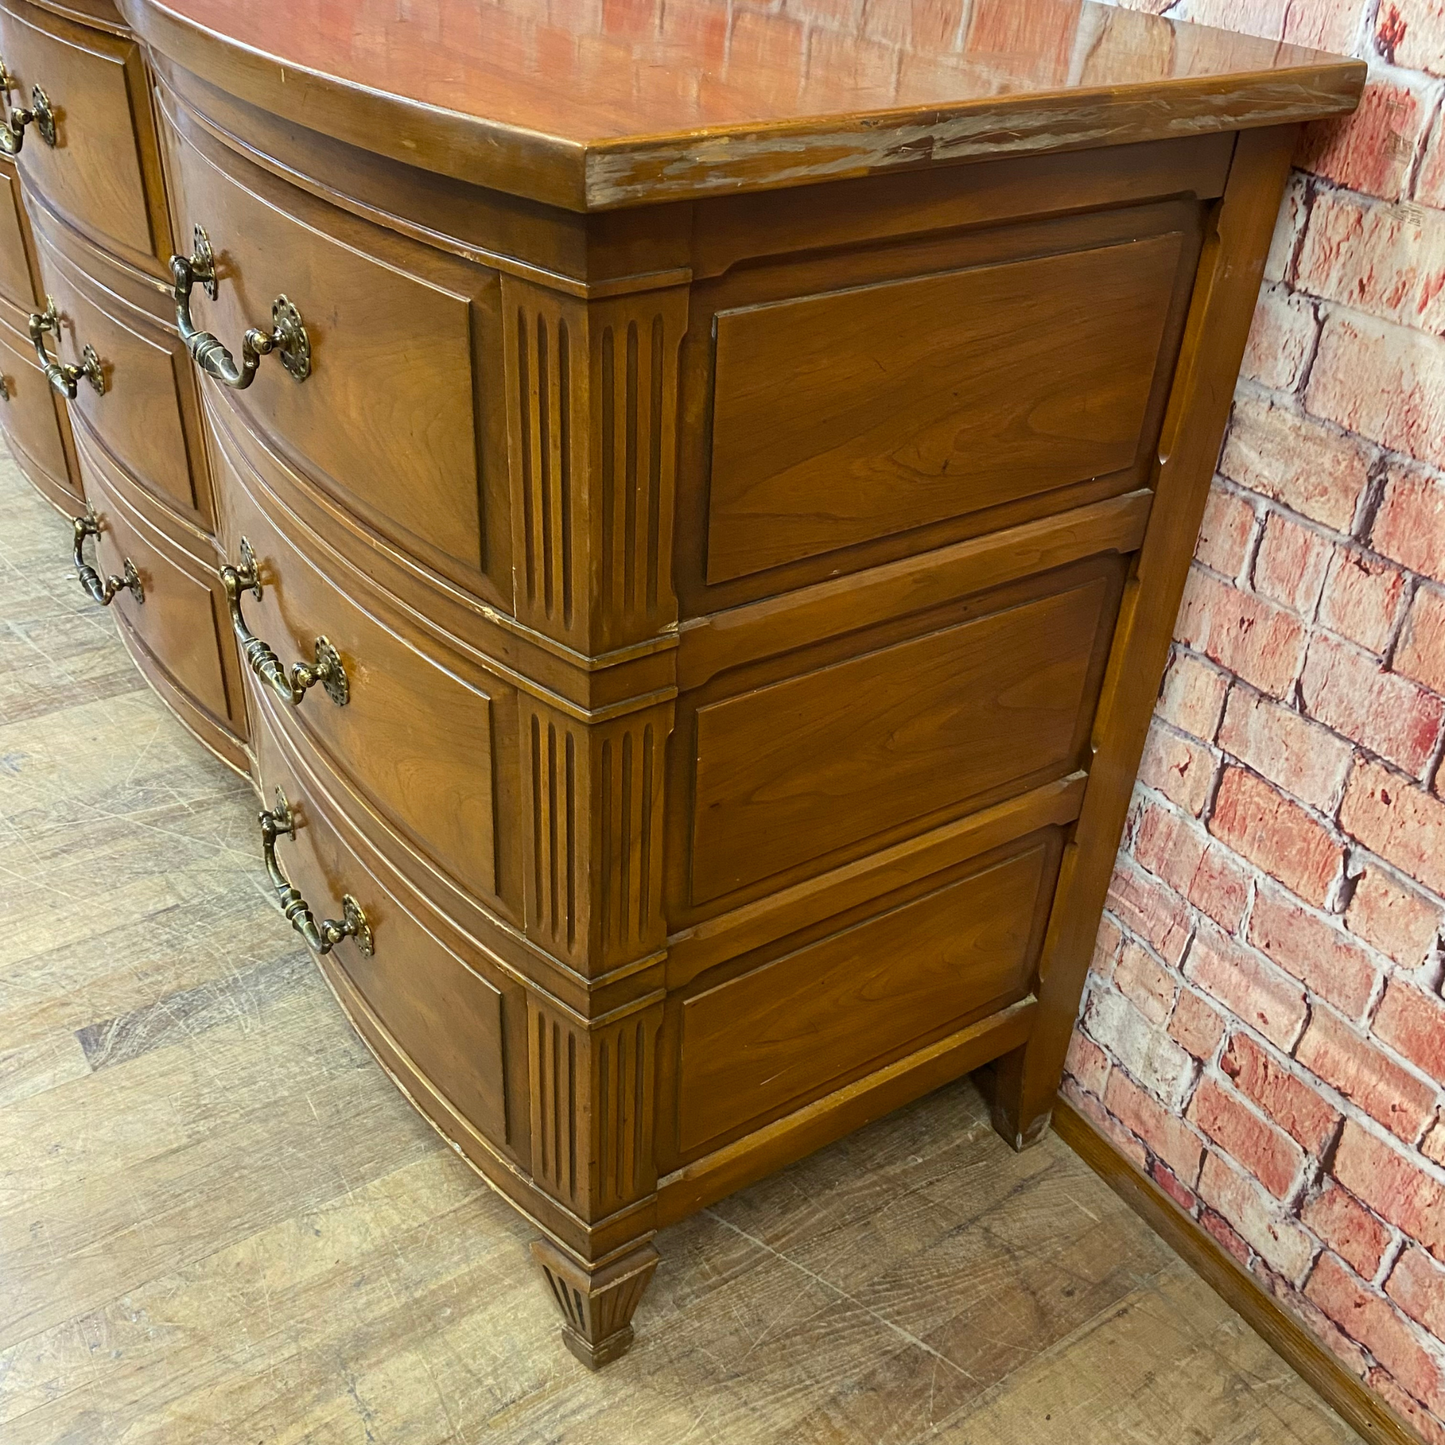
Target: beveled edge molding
694, 1186
1234, 1284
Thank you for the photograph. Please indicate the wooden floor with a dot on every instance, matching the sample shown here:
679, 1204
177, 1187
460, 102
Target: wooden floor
219, 1222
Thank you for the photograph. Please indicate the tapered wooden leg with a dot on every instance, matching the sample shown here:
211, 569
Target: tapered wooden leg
1020, 1104
597, 1305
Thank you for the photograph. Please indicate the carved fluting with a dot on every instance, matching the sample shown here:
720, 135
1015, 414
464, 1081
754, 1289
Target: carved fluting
592, 440
594, 834
593, 1100
597, 1305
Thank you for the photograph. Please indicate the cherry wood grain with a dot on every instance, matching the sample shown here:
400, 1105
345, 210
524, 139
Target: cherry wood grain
598, 106
30, 419
17, 282
911, 401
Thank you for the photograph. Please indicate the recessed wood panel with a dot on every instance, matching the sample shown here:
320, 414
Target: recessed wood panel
416, 734
94, 175
16, 283
28, 418
855, 414
796, 769
788, 1029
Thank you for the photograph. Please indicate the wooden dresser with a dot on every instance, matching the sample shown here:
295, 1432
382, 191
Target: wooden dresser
688, 544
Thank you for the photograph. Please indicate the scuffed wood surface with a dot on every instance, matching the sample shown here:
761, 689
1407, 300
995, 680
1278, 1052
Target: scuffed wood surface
219, 1222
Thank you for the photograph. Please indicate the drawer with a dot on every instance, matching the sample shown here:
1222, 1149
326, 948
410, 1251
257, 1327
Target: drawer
443, 1014
837, 749
102, 175
393, 421
949, 950
17, 283
33, 418
416, 736
180, 630
148, 417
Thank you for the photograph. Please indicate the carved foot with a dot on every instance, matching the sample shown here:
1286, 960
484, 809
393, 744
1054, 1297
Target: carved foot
1019, 1106
597, 1304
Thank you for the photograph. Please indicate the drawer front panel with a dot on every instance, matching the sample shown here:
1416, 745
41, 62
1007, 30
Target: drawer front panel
182, 620
29, 418
791, 1028
16, 282
149, 392
442, 1014
416, 734
846, 416
390, 420
102, 175
790, 771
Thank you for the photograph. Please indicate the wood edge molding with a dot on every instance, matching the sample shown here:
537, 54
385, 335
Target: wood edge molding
1348, 1396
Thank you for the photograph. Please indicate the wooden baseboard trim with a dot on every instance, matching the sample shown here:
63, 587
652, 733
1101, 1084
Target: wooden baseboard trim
1366, 1413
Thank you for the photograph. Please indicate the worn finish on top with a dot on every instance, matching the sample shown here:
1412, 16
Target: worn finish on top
605, 103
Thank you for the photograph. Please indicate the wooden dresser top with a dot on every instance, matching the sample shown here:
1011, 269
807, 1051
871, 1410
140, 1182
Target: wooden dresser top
598, 104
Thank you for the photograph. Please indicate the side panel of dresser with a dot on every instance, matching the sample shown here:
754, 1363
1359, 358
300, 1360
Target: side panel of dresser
94, 221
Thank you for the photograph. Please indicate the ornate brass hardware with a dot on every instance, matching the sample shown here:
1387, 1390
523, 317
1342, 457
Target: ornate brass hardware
289, 687
287, 335
102, 591
61, 375
4, 389
322, 937
38, 113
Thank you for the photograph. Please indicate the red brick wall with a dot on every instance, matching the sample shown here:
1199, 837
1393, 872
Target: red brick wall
1263, 1030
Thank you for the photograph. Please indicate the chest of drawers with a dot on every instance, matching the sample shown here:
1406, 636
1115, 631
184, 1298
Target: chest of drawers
689, 542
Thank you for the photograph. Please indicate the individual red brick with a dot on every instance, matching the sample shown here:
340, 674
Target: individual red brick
1192, 697
1148, 909
1384, 381
1262, 643
1106, 947
1167, 1135
1421, 654
1349, 691
1166, 1179
1430, 183
1106, 1124
1144, 983
1405, 1405
1366, 1076
1328, 27
1412, 1022
1178, 767
1088, 1063
1402, 823
1361, 598
1148, 1053
1365, 1317
1279, 1241
1347, 1227
1417, 1285
1395, 1187
1327, 961
1275, 834
1300, 756
1196, 1026
1400, 922
1339, 1344
1248, 987
1309, 466
1372, 150
1432, 1146
1192, 864
1291, 564
1225, 533
1293, 214
1410, 523
1281, 339
1289, 1101
1225, 1233
1411, 33
1266, 1152
1376, 257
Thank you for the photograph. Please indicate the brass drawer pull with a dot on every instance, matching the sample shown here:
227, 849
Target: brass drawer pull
12, 128
322, 937
102, 591
287, 335
327, 669
61, 375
